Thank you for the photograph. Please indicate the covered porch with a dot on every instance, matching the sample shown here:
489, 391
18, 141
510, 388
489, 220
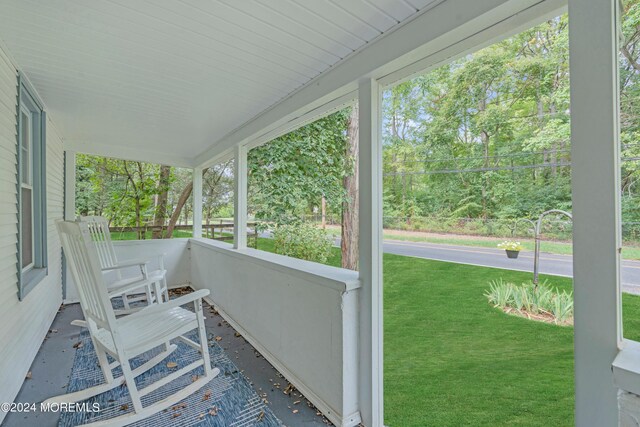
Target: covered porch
193, 84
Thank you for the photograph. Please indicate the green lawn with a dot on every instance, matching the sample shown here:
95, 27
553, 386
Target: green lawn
453, 360
132, 235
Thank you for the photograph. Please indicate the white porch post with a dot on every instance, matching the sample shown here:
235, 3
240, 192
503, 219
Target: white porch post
370, 223
197, 202
240, 200
69, 185
69, 214
596, 206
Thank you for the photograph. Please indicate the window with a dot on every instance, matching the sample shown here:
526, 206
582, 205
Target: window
32, 227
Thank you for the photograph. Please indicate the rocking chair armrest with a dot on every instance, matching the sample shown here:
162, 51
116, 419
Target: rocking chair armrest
165, 306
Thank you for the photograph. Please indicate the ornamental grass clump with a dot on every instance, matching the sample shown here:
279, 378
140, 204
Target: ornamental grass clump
537, 302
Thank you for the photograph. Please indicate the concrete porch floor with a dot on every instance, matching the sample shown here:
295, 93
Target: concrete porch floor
51, 369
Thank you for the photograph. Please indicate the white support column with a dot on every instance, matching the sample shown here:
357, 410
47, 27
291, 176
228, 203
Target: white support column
69, 185
240, 175
595, 149
370, 262
197, 202
69, 292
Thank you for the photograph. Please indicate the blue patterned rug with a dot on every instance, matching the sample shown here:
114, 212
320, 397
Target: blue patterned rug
228, 400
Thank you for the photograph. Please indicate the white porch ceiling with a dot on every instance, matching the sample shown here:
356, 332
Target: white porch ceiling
170, 78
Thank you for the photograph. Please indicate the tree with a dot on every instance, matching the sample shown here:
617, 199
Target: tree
349, 230
314, 165
164, 181
289, 176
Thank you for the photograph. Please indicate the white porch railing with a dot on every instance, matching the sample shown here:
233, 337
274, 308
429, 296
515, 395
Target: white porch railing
302, 317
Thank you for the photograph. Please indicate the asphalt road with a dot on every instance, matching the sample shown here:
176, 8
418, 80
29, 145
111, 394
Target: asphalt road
553, 264
557, 265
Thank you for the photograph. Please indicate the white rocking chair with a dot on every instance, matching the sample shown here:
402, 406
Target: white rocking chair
130, 336
153, 283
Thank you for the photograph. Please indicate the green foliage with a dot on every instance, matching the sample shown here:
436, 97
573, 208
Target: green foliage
289, 175
302, 241
528, 299
121, 190
484, 136
487, 137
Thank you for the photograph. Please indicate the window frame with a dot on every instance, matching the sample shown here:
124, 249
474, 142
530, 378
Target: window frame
30, 275
24, 111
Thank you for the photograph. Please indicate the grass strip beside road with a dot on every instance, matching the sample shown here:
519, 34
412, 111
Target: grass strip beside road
553, 247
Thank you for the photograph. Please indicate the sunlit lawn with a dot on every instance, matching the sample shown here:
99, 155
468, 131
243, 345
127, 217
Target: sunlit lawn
450, 359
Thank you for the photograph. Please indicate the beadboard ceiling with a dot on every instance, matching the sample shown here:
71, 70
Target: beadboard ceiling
172, 77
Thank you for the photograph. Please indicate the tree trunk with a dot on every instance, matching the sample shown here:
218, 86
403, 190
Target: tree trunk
554, 146
323, 208
182, 200
349, 234
484, 136
161, 207
184, 196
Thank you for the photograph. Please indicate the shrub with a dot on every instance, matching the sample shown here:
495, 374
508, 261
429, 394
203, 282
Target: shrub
302, 241
528, 299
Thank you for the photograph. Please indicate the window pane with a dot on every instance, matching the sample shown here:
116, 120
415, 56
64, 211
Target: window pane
27, 227
25, 146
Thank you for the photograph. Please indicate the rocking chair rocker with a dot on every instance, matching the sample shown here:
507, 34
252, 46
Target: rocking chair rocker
129, 336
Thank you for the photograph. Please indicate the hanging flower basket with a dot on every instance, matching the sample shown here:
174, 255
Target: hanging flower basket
511, 248
512, 254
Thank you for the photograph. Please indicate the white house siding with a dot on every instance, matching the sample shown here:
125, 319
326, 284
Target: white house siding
24, 324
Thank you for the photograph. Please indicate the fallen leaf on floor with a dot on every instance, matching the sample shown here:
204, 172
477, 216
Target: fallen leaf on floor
260, 416
78, 345
213, 411
201, 416
178, 406
218, 338
295, 411
28, 376
172, 365
288, 389
124, 407
237, 334
176, 415
207, 395
296, 402
194, 378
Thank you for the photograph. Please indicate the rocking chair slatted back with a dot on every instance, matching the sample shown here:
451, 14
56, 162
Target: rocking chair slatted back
82, 259
101, 236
